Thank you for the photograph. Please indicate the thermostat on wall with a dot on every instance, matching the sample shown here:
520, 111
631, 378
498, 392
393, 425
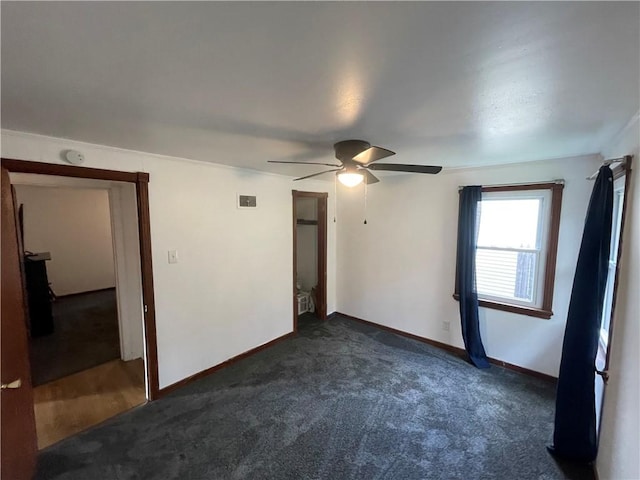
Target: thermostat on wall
247, 201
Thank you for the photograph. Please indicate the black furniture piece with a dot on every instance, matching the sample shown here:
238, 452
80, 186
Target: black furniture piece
38, 297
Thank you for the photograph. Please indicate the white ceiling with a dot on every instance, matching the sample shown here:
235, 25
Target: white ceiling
450, 84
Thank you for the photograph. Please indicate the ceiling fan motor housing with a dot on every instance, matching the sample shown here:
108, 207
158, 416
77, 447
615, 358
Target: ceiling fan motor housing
347, 149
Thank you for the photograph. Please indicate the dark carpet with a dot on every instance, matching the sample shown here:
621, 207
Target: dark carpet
341, 400
85, 335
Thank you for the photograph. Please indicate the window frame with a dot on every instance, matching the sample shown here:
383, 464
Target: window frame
545, 311
544, 195
619, 196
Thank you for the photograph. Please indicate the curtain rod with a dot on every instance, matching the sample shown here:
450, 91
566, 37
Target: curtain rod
557, 181
621, 160
614, 160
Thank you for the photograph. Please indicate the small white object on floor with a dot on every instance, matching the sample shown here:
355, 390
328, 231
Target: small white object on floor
305, 303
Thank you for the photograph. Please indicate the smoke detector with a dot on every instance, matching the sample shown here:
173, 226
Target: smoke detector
74, 157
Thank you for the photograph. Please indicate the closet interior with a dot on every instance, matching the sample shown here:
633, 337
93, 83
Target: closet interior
307, 257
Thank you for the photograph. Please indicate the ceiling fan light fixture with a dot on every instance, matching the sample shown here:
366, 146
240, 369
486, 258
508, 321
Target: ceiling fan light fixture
350, 179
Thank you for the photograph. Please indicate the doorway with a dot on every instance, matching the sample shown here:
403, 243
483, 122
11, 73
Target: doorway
70, 278
82, 336
309, 257
129, 204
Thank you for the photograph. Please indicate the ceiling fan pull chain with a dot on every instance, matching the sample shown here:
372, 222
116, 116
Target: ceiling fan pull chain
335, 197
365, 202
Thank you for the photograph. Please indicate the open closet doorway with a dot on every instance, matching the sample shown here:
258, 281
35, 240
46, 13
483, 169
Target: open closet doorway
309, 257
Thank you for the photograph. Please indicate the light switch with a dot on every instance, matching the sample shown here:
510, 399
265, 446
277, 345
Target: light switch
173, 256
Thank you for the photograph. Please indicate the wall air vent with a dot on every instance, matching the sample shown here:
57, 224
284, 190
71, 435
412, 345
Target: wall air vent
247, 201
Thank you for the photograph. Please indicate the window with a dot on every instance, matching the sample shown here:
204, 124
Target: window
616, 227
510, 245
516, 247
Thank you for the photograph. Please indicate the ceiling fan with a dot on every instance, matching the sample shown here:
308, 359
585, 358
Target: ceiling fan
357, 158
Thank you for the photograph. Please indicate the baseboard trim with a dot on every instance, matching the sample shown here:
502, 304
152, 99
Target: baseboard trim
197, 376
68, 295
451, 349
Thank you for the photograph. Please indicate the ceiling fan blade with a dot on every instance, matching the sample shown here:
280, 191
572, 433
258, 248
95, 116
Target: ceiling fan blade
316, 174
373, 154
369, 177
305, 163
400, 167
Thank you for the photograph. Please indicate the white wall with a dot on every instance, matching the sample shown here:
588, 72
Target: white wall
399, 269
231, 289
620, 431
73, 224
307, 236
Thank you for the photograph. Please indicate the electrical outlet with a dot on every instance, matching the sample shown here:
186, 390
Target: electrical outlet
173, 256
445, 326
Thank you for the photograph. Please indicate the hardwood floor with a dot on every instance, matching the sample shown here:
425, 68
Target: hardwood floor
67, 406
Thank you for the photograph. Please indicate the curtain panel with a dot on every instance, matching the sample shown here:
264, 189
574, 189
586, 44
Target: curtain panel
466, 274
574, 434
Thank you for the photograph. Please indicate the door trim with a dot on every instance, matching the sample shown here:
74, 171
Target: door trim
321, 215
18, 444
141, 181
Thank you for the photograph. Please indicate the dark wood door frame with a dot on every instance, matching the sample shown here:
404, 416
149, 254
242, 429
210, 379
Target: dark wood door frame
321, 215
141, 181
18, 439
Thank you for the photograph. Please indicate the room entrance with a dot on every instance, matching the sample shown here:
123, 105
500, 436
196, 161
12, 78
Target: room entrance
309, 257
127, 196
83, 335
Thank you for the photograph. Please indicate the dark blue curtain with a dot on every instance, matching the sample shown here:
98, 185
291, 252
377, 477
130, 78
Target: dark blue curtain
466, 275
574, 434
